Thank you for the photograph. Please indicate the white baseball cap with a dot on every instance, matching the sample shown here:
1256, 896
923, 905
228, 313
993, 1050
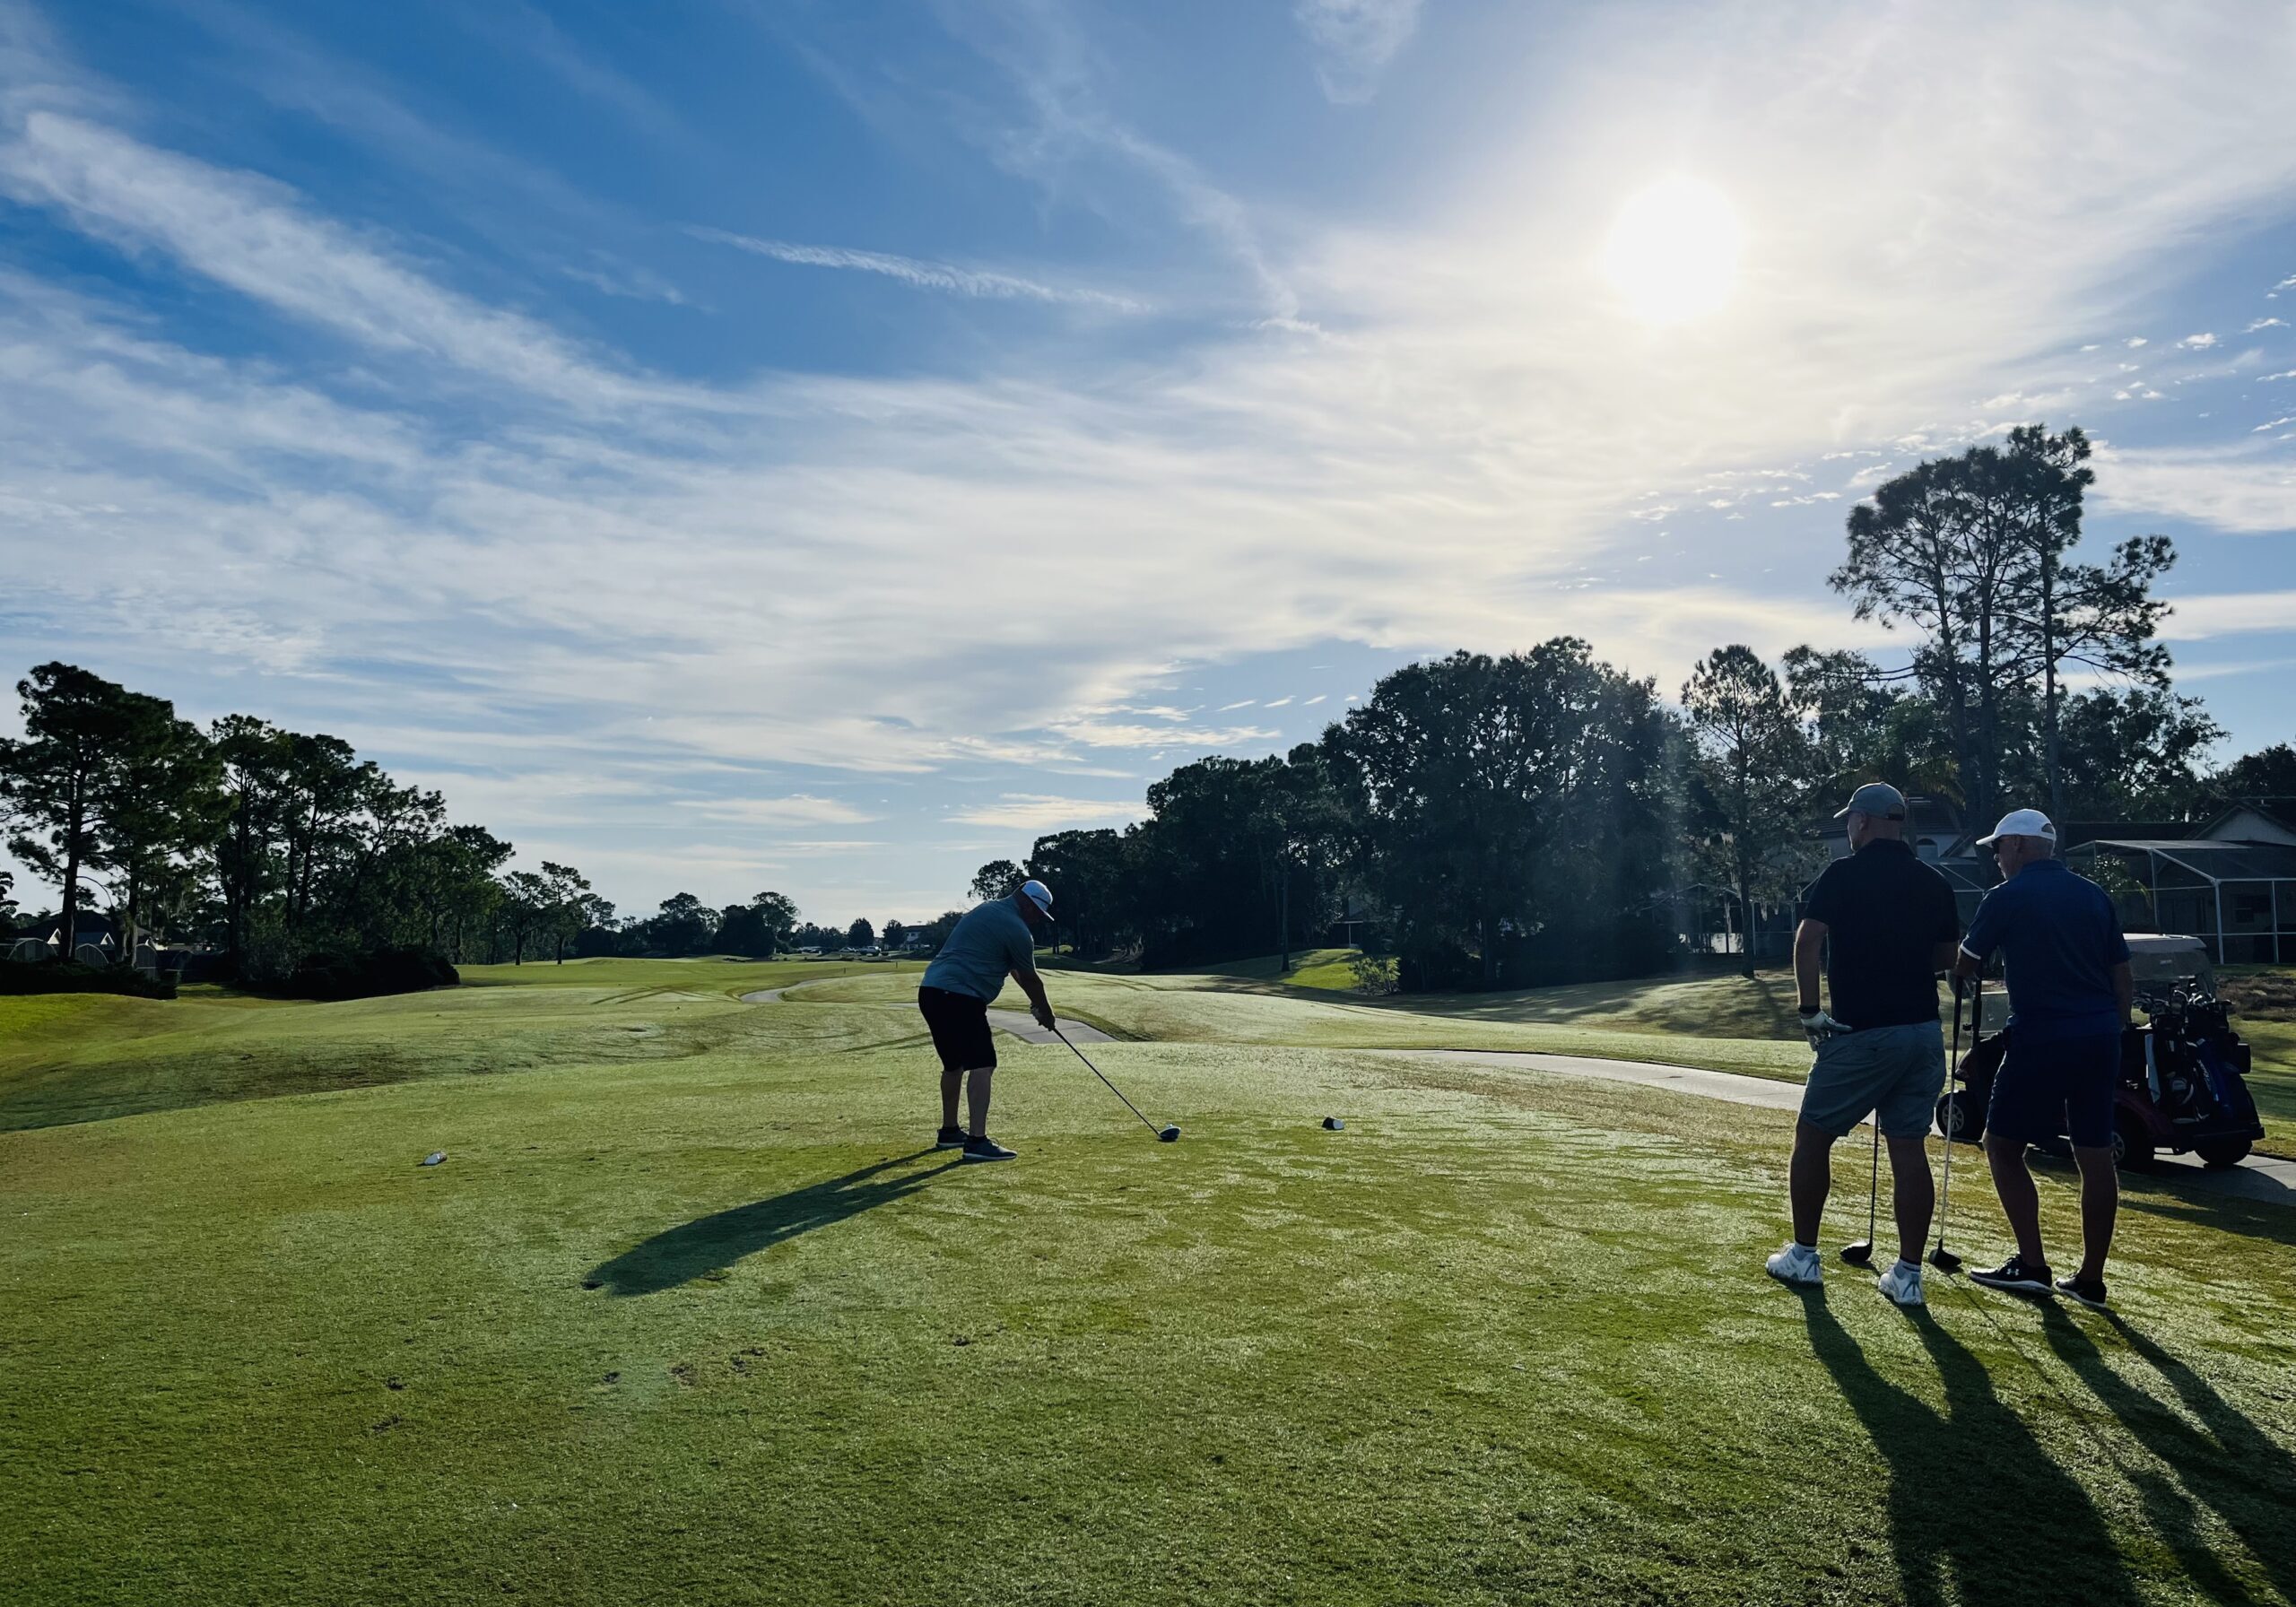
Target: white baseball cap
2020, 823
1038, 894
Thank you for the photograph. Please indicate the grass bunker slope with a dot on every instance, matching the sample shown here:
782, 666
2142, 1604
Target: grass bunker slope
691, 1313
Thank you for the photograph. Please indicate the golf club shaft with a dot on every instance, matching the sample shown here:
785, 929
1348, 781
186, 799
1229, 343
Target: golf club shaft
1096, 1071
1955, 1109
1873, 1183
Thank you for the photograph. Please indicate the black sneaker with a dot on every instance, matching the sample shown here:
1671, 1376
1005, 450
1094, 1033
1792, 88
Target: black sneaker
2016, 1277
988, 1149
950, 1138
2089, 1292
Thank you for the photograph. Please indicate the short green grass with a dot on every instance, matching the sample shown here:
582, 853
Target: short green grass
713, 1325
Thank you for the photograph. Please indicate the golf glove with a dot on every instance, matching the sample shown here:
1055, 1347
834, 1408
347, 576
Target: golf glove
1818, 1026
1043, 1013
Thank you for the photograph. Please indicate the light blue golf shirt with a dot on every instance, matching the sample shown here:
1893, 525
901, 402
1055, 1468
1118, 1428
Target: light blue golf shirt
988, 944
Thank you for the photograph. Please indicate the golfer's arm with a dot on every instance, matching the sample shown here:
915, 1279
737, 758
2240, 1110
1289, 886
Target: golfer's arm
2125, 993
1809, 938
1966, 964
1032, 985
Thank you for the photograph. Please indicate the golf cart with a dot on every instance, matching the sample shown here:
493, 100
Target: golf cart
2183, 1074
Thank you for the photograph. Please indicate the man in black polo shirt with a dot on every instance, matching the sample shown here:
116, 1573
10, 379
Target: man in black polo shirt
1887, 925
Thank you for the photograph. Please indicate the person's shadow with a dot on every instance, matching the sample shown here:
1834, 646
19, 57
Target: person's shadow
2238, 1470
687, 1252
1972, 1492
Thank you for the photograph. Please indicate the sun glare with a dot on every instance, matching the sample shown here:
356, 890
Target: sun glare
1673, 254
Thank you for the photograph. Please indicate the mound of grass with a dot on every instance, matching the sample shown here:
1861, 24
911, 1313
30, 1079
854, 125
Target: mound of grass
87, 1057
721, 1328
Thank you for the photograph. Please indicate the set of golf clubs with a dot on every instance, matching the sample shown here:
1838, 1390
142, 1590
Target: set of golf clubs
1860, 1252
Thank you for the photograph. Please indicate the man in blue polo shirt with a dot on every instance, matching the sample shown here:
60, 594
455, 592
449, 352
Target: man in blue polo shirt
2070, 998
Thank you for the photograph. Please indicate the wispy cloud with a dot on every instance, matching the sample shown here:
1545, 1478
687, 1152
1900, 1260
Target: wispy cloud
628, 283
923, 275
1042, 812
2198, 342
253, 235
2249, 490
1115, 733
798, 809
2229, 613
2265, 323
1354, 40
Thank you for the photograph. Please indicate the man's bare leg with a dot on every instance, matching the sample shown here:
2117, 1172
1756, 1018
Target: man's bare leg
2020, 1202
979, 1091
1913, 1194
952, 1080
2100, 1205
1809, 1177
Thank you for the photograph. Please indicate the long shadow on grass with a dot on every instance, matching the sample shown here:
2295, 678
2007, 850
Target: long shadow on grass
2179, 1196
705, 1244
2238, 1470
1972, 1493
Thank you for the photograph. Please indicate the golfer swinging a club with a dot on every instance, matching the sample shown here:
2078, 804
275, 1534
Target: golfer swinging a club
2071, 996
997, 940
1888, 925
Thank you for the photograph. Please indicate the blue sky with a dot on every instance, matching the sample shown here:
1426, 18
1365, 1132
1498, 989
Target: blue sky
820, 446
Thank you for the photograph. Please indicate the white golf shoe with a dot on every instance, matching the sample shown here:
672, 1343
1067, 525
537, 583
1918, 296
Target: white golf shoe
1903, 1283
1798, 1265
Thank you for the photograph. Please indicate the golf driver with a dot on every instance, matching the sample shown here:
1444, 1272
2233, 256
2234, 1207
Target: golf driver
1942, 1258
1861, 1253
1170, 1135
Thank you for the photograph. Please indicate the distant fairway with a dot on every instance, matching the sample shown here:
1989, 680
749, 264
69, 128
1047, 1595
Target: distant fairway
77, 1057
1505, 1338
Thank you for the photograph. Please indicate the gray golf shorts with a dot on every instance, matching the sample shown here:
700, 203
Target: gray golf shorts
1892, 1074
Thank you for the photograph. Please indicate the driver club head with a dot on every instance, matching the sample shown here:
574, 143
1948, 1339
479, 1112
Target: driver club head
1167, 1135
1945, 1260
1860, 1253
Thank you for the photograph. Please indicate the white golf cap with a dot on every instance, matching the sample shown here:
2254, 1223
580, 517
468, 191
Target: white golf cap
1038, 894
2020, 823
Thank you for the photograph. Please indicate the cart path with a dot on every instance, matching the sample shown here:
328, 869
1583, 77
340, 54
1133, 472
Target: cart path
1020, 1023
2258, 1178
1024, 1026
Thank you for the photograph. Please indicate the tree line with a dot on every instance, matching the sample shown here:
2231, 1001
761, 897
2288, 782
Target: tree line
1542, 816
278, 847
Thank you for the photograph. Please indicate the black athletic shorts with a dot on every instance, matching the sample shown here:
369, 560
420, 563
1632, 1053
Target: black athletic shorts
960, 1024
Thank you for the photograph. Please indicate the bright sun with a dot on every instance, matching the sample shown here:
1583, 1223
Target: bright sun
1674, 252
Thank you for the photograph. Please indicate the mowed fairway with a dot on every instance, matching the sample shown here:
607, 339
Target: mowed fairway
706, 1320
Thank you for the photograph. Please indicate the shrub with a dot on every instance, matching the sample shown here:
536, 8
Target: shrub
371, 974
1376, 973
68, 977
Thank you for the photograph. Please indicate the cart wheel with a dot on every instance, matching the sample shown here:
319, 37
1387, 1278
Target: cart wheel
1959, 1119
2222, 1154
2132, 1145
